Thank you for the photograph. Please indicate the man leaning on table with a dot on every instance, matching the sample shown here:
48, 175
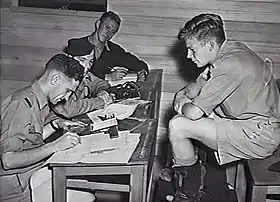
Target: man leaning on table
233, 107
111, 60
25, 126
91, 94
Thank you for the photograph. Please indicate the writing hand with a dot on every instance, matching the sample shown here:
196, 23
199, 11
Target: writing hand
66, 141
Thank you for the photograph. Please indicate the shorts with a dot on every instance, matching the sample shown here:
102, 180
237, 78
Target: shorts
254, 138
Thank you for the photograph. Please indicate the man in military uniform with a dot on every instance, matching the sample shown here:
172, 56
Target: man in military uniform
91, 93
24, 126
233, 107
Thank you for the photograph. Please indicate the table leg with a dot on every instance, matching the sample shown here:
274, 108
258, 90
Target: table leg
258, 193
136, 185
59, 184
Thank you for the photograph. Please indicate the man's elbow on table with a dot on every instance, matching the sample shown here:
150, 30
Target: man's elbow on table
192, 111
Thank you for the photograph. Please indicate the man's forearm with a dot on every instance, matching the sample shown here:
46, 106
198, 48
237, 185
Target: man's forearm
77, 107
18, 159
192, 90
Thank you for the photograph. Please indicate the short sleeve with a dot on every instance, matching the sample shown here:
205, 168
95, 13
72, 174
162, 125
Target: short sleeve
17, 133
225, 79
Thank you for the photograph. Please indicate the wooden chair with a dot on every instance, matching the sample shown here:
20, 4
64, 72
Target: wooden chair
252, 180
260, 181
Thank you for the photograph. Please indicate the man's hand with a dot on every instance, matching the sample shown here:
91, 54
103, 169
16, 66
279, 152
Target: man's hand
66, 141
141, 75
179, 100
117, 74
107, 98
192, 111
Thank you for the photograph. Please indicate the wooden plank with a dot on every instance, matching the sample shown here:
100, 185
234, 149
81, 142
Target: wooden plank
10, 86
48, 21
54, 11
236, 11
58, 39
138, 24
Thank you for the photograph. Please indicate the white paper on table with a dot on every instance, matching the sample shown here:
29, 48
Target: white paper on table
128, 77
123, 147
120, 111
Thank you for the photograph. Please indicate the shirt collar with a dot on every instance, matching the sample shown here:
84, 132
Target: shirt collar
107, 46
106, 43
41, 97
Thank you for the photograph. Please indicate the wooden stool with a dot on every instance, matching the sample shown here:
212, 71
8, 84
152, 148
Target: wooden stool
260, 179
236, 179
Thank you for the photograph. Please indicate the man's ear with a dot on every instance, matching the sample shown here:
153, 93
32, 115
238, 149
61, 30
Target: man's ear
55, 79
97, 24
211, 45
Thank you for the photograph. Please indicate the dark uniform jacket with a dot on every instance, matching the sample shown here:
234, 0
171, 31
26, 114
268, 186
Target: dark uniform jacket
114, 55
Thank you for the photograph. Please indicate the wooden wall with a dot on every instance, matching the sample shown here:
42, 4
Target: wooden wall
149, 29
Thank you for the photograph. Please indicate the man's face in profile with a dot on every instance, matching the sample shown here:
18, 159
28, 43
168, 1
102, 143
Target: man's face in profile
62, 88
107, 29
198, 52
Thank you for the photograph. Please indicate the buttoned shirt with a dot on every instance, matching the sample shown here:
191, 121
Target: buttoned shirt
241, 85
23, 116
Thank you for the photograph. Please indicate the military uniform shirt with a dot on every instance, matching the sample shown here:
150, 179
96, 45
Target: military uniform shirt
23, 116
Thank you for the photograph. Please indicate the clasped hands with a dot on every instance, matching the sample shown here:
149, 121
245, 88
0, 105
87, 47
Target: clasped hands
183, 105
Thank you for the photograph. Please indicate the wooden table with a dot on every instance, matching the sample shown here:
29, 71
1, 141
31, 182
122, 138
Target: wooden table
139, 167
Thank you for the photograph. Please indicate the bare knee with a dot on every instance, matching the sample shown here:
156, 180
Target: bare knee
178, 127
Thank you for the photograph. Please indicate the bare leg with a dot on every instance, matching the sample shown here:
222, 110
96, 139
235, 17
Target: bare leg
182, 130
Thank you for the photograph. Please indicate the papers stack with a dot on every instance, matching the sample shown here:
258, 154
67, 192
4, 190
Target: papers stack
99, 148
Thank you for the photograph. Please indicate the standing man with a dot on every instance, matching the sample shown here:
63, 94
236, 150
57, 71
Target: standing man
112, 61
25, 126
235, 112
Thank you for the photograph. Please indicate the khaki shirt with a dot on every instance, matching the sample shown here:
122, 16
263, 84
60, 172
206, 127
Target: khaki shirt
83, 100
23, 115
237, 87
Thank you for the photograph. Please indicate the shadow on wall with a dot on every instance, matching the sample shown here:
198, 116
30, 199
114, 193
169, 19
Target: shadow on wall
187, 69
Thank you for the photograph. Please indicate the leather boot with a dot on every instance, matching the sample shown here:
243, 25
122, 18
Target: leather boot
189, 182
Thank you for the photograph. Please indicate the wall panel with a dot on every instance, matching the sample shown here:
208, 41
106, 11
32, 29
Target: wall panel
149, 28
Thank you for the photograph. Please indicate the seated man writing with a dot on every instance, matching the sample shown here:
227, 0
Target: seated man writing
111, 60
235, 112
91, 93
25, 126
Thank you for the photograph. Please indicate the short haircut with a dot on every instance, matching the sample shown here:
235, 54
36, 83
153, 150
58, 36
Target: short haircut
112, 15
66, 65
204, 27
